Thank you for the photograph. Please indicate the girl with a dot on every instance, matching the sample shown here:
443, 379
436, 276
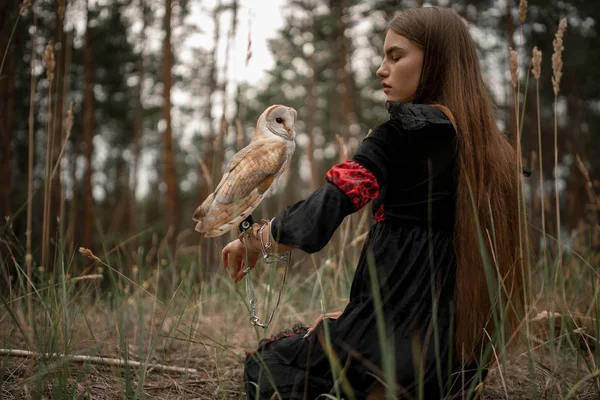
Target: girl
444, 250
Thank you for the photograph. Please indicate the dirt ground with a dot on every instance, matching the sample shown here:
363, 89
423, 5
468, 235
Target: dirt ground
220, 377
215, 348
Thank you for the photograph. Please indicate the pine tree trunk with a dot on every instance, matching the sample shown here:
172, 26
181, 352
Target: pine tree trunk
7, 87
169, 159
88, 134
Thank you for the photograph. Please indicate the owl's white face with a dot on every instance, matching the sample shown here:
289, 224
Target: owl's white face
281, 120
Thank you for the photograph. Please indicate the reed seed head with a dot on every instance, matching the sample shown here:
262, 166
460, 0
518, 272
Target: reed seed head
523, 10
514, 62
61, 9
88, 277
49, 62
25, 6
557, 63
537, 63
88, 253
69, 121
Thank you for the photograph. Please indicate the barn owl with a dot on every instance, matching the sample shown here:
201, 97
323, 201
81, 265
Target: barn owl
252, 174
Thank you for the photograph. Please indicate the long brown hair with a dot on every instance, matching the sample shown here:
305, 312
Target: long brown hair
489, 234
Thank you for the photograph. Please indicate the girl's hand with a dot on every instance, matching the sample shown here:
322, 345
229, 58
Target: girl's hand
333, 315
234, 259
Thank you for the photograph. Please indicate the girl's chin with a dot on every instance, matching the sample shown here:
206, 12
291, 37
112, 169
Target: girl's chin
396, 98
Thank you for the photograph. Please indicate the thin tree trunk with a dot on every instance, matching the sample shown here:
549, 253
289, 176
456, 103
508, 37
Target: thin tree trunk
238, 89
207, 167
138, 130
211, 88
88, 134
311, 116
348, 95
169, 159
310, 105
224, 124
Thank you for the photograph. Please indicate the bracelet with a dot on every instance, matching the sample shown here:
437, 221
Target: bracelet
259, 244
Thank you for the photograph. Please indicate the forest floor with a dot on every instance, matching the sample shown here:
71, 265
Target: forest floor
215, 347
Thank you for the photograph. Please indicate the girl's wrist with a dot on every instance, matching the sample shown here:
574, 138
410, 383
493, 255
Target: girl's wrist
258, 239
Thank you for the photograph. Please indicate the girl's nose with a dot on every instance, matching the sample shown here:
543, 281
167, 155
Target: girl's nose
382, 72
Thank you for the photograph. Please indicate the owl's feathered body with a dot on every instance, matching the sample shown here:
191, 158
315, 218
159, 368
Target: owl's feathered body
252, 174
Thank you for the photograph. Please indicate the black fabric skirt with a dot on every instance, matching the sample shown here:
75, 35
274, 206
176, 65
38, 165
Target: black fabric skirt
414, 268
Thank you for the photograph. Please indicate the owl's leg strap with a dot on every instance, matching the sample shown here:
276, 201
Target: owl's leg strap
246, 224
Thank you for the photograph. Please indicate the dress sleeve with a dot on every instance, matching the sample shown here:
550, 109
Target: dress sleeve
309, 224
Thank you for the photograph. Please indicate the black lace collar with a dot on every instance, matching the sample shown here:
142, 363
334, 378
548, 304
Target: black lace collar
415, 116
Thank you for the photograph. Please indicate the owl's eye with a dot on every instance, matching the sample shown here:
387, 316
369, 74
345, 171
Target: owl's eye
279, 120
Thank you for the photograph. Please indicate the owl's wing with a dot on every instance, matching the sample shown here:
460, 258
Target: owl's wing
254, 167
248, 176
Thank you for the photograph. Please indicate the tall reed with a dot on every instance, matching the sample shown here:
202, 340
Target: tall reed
557, 65
536, 69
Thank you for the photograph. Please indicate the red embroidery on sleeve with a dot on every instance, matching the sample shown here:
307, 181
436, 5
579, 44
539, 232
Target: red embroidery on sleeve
356, 181
379, 214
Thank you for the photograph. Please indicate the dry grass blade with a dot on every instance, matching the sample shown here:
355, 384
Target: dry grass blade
26, 4
589, 185
206, 175
68, 127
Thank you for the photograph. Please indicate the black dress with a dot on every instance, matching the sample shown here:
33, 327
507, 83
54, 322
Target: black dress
407, 168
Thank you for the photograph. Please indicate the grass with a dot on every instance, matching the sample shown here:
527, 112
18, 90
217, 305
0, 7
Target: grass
160, 314
198, 325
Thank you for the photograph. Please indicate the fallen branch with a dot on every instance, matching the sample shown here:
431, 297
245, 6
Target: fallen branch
95, 360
